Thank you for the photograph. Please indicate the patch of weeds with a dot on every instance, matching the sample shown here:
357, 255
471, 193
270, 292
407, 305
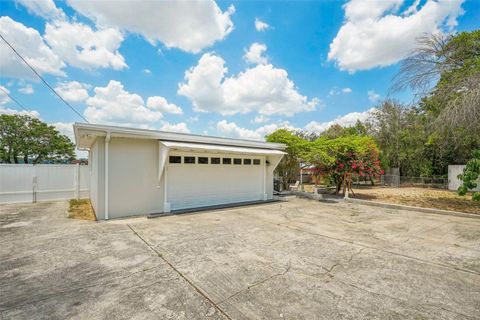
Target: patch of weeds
81, 209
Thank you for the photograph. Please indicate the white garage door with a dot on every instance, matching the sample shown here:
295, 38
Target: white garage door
199, 180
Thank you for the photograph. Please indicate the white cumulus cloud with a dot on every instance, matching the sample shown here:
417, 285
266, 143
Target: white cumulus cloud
42, 8
375, 34
4, 99
29, 43
73, 91
255, 54
336, 91
9, 111
177, 127
261, 25
66, 128
347, 120
26, 89
113, 104
161, 104
187, 25
82, 47
260, 119
373, 96
263, 88
231, 129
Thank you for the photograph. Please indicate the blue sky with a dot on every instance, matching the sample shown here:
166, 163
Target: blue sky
298, 64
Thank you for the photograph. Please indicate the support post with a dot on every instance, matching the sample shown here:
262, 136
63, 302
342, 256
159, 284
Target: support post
265, 195
166, 204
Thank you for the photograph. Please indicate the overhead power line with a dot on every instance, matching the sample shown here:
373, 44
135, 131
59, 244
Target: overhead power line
43, 80
14, 100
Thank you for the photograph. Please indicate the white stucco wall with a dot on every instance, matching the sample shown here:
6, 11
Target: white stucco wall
453, 181
97, 182
134, 188
270, 174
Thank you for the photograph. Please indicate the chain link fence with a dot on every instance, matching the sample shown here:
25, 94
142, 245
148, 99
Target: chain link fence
396, 181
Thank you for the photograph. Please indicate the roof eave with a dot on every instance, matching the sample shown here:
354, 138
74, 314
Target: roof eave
95, 130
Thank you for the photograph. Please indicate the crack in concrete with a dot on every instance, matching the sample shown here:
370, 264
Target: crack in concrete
190, 282
329, 271
259, 282
371, 247
400, 299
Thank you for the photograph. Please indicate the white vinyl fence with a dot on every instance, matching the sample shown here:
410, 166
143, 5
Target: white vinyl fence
43, 182
453, 181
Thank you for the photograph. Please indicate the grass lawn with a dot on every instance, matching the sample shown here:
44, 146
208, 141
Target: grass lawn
81, 209
420, 197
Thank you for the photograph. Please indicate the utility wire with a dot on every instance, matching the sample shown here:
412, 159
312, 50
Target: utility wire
13, 99
43, 80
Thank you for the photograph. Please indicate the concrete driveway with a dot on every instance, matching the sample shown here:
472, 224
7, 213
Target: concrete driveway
297, 260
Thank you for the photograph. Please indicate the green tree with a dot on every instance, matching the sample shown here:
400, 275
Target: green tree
340, 159
470, 176
444, 74
400, 132
289, 167
31, 140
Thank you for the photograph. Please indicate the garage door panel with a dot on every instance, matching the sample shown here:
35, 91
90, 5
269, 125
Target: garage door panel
198, 185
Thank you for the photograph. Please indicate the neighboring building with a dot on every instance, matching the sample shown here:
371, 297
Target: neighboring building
138, 172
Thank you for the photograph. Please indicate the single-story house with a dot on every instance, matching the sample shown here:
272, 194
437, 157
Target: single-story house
138, 171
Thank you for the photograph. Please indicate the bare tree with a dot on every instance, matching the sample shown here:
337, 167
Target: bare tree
446, 70
421, 70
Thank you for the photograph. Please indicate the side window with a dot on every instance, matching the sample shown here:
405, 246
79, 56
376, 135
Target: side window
247, 161
203, 160
227, 160
215, 160
256, 162
188, 159
175, 159
237, 161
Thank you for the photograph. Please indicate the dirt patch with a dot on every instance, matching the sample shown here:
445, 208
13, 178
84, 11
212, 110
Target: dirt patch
420, 197
81, 209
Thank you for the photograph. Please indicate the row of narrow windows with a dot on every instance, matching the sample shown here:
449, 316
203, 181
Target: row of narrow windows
213, 160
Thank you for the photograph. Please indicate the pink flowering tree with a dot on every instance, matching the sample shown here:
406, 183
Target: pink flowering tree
339, 160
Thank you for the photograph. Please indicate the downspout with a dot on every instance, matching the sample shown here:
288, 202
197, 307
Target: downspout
107, 142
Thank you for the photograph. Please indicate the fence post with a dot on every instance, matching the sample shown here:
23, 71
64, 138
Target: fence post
34, 184
77, 181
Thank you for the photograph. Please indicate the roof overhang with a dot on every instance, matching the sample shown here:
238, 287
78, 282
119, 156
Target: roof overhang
86, 134
203, 147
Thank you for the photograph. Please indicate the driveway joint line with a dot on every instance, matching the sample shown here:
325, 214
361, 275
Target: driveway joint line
63, 292
196, 288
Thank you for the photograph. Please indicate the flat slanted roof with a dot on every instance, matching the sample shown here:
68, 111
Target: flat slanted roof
185, 146
86, 134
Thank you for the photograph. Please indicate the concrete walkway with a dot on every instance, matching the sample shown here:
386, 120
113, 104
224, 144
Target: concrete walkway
296, 260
